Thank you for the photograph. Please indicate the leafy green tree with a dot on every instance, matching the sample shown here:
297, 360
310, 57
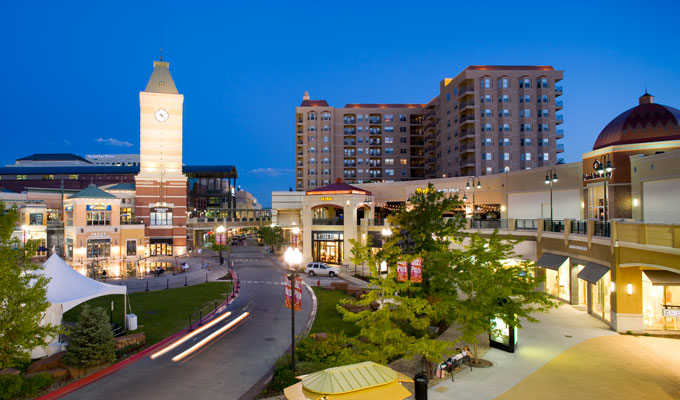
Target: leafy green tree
271, 236
491, 287
92, 341
23, 298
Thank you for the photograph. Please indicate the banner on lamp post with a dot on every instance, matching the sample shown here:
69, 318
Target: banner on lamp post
221, 239
288, 297
402, 271
298, 293
417, 270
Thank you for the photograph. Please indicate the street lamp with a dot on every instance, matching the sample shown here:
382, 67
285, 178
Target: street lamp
296, 232
473, 187
386, 232
550, 178
24, 228
292, 257
604, 167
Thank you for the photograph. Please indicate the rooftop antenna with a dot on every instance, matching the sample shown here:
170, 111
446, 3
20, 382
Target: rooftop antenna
161, 44
645, 87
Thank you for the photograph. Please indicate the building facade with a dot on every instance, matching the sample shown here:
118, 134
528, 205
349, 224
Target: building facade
486, 120
604, 231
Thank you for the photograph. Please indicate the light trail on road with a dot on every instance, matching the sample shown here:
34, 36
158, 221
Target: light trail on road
189, 336
210, 337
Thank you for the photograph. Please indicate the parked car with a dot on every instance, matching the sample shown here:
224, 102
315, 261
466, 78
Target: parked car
319, 268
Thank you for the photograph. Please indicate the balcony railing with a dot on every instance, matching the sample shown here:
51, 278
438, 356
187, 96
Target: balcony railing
526, 224
489, 224
328, 221
560, 160
559, 133
602, 228
553, 226
579, 227
349, 120
558, 104
559, 118
558, 89
560, 148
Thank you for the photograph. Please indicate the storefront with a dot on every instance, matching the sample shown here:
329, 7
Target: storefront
557, 282
597, 277
98, 248
160, 247
661, 300
327, 247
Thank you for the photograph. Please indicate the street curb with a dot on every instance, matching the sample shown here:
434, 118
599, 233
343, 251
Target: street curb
81, 383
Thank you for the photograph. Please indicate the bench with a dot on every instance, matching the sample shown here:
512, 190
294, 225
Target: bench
455, 364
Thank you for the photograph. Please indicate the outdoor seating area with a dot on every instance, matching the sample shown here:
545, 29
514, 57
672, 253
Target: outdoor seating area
455, 362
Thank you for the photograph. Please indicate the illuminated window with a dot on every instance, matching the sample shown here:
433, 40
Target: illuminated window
160, 216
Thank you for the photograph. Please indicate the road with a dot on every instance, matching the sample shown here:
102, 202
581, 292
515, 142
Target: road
229, 365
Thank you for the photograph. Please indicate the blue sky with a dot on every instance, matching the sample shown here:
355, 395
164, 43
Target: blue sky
71, 72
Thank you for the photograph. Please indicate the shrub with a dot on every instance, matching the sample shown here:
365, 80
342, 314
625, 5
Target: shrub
10, 386
283, 377
32, 386
91, 341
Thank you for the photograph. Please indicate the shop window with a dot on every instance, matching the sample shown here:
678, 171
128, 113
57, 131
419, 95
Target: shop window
98, 214
131, 248
98, 248
35, 219
160, 216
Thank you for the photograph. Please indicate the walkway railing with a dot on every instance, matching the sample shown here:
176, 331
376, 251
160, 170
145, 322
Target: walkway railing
526, 224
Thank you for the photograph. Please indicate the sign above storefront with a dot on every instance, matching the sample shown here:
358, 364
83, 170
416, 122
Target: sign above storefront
671, 312
327, 236
326, 199
448, 190
98, 207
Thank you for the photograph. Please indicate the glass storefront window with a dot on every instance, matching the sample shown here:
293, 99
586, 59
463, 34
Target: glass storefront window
557, 282
131, 249
98, 248
660, 306
582, 290
327, 247
601, 297
36, 219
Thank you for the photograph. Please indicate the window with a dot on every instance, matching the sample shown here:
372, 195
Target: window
503, 83
389, 172
504, 99
97, 248
525, 142
131, 248
504, 112
485, 83
389, 117
506, 127
525, 127
326, 128
360, 140
504, 142
311, 139
487, 127
506, 156
486, 156
359, 118
126, 216
544, 142
389, 129
403, 161
403, 173
312, 182
524, 83
389, 161
361, 129
486, 112
312, 161
311, 116
48, 177
486, 142
312, 128
402, 117
402, 140
326, 150
389, 140
525, 99
35, 219
160, 216
448, 96
525, 113
311, 172
326, 116
325, 161
526, 157
360, 150
402, 129
541, 83
389, 150
98, 214
488, 171
402, 151
546, 156
312, 149
73, 177
544, 112
543, 128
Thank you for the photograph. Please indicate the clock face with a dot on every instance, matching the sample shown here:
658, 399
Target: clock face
161, 115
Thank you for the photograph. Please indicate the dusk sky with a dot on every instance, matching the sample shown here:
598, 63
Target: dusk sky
70, 75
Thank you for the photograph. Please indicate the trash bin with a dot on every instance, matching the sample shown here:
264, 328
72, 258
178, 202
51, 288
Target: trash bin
420, 382
131, 322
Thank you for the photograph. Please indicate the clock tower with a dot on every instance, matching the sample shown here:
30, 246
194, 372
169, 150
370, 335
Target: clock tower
161, 186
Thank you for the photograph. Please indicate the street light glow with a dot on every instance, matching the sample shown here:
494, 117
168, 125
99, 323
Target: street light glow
220, 229
292, 256
386, 232
296, 230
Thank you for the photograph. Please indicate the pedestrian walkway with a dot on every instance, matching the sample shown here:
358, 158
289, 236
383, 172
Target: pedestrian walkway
539, 343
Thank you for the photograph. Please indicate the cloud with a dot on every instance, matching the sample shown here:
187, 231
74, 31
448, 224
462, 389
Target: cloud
270, 171
67, 141
114, 142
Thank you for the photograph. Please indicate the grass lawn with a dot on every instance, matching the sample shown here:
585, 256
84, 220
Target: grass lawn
164, 312
328, 319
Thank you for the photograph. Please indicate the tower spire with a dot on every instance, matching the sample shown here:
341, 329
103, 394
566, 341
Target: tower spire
161, 45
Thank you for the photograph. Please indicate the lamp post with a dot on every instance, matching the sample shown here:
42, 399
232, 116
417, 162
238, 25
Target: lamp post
296, 232
24, 228
292, 257
550, 178
604, 167
474, 186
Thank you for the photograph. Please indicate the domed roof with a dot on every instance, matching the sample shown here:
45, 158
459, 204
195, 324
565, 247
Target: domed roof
647, 122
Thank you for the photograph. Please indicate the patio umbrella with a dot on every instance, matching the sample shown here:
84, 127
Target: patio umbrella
42, 248
362, 381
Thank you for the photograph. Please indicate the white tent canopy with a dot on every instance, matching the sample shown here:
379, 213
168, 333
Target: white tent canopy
68, 288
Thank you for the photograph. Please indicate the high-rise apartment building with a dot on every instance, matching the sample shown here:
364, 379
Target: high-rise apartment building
488, 119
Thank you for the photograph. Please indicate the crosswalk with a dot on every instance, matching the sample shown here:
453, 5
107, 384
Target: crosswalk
247, 259
264, 282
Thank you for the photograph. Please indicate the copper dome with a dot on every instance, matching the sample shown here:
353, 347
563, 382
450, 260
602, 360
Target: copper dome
647, 122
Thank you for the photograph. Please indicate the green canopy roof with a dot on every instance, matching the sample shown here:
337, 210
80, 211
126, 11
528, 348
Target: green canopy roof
92, 192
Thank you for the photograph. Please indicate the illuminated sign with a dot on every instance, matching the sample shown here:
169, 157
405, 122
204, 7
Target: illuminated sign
326, 199
426, 190
671, 312
327, 236
98, 207
69, 207
502, 336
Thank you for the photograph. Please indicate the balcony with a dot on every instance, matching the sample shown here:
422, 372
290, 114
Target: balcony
466, 91
467, 148
466, 104
558, 105
560, 148
553, 226
375, 141
467, 134
349, 120
559, 133
467, 119
375, 163
350, 131
579, 227
602, 228
328, 221
489, 224
467, 162
375, 153
559, 119
558, 91
526, 224
372, 119
374, 130
560, 160
350, 163
299, 141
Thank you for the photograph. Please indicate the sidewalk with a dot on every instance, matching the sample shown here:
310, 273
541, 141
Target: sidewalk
538, 344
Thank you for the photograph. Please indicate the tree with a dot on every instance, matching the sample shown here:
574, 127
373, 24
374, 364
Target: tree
23, 298
92, 341
271, 236
491, 287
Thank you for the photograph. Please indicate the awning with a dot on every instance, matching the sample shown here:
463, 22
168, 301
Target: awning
592, 272
663, 278
551, 261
